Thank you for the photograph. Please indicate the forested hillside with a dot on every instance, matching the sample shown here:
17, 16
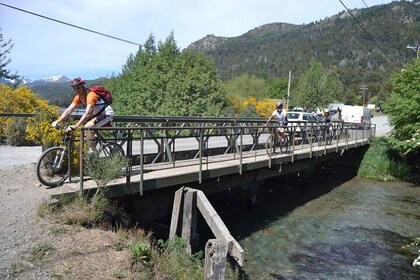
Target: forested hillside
364, 49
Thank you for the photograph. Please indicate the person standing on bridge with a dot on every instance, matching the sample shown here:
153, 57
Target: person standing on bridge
97, 112
281, 119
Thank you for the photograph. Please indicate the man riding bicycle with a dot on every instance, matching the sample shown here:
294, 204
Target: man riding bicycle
97, 114
281, 119
327, 119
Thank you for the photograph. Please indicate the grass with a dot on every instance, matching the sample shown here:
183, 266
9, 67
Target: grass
41, 250
145, 257
381, 162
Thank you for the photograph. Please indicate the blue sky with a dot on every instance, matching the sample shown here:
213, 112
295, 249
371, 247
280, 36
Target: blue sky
44, 48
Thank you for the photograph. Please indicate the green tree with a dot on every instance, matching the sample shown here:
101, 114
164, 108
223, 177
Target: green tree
162, 80
403, 106
277, 88
246, 86
317, 87
5, 47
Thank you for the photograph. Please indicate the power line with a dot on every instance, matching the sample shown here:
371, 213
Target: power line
69, 24
375, 18
370, 35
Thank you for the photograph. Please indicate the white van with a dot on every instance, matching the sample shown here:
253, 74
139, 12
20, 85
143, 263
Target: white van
356, 115
334, 109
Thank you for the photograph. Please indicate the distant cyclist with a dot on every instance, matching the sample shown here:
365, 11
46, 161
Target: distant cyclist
327, 118
281, 119
97, 113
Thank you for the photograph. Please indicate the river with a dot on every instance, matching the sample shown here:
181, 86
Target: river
331, 226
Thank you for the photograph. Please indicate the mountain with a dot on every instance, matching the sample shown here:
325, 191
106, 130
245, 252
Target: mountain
12, 82
44, 81
364, 45
60, 79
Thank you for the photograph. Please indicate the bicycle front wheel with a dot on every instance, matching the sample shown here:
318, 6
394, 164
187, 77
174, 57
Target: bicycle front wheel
52, 168
110, 149
329, 137
271, 144
284, 144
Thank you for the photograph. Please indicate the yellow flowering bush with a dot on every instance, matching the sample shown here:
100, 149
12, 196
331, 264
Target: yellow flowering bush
37, 129
265, 107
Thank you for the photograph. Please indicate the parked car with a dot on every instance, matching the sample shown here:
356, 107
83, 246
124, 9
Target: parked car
301, 120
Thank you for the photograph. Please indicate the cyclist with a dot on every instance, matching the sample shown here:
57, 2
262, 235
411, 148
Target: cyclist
327, 118
281, 119
97, 113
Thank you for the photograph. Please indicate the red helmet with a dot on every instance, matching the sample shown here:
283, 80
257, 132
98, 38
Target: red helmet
77, 82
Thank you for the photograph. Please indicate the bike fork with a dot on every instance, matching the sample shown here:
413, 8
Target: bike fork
59, 160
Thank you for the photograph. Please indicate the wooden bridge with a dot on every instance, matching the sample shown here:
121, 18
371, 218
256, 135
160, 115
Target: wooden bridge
213, 154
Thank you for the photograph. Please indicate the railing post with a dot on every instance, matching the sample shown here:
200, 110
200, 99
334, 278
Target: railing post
69, 157
292, 139
129, 154
82, 136
141, 160
200, 147
311, 142
270, 147
240, 152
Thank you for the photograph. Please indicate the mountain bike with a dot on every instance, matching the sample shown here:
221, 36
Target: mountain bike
324, 136
276, 141
53, 166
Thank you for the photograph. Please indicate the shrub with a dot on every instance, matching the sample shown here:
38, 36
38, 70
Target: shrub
175, 263
105, 169
15, 134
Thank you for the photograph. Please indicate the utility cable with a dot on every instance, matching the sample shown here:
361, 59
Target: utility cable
69, 24
375, 18
370, 35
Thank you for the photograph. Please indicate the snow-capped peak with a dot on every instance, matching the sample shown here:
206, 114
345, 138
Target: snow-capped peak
56, 79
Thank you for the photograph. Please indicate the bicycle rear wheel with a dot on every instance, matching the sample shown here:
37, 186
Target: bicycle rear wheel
321, 138
52, 167
110, 149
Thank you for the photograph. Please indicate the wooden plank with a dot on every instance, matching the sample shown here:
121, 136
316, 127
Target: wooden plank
215, 259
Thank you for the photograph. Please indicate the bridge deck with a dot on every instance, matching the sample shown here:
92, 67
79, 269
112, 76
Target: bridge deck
162, 175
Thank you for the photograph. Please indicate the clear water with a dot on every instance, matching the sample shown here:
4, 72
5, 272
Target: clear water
329, 228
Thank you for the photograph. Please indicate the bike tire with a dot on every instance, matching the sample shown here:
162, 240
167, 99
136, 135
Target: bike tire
270, 144
321, 138
47, 172
110, 149
329, 137
284, 144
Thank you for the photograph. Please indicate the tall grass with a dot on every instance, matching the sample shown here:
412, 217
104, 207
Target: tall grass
381, 162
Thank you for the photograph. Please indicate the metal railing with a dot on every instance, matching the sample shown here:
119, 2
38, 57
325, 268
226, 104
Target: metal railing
214, 143
188, 141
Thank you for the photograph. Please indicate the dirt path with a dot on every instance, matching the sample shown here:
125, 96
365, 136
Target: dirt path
67, 252
19, 227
